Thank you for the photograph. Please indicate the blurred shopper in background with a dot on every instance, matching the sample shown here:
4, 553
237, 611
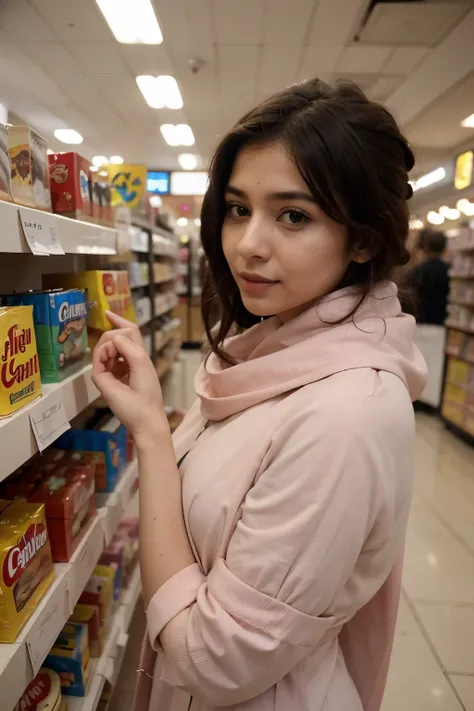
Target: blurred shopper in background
429, 281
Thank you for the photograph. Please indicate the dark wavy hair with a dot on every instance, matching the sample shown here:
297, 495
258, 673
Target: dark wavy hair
355, 162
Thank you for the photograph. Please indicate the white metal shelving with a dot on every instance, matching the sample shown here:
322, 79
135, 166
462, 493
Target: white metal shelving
20, 661
76, 236
17, 442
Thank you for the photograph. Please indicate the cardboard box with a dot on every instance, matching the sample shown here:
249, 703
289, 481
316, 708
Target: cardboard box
70, 189
60, 326
70, 658
29, 168
20, 381
5, 169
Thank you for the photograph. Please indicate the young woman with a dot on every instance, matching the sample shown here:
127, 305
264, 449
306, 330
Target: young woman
272, 526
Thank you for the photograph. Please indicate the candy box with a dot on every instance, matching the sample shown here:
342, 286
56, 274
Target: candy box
26, 566
99, 591
70, 189
29, 167
114, 556
107, 290
5, 190
20, 381
41, 694
89, 615
60, 326
70, 658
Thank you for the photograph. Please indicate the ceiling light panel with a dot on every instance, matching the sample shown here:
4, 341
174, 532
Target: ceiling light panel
131, 21
160, 92
177, 135
68, 135
187, 161
468, 122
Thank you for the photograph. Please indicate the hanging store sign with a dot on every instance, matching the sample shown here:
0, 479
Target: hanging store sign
128, 184
463, 170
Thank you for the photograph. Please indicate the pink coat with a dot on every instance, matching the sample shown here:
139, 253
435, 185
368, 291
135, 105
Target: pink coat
296, 501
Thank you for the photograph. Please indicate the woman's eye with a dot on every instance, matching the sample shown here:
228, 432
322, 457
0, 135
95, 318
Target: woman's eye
294, 218
237, 210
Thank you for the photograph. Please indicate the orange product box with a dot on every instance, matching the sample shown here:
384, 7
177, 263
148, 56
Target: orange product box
26, 564
20, 381
70, 189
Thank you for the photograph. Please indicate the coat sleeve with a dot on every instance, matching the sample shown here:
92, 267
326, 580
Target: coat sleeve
285, 584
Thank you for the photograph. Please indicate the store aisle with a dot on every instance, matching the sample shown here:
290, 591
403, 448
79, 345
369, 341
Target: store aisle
433, 663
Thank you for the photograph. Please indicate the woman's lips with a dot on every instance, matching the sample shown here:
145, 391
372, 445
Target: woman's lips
255, 285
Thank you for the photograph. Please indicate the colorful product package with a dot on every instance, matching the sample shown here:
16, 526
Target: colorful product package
29, 167
42, 694
5, 170
20, 381
26, 564
107, 290
99, 591
89, 615
70, 658
60, 319
114, 557
70, 189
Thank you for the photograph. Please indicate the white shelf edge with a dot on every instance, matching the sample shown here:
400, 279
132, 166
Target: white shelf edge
77, 392
76, 236
56, 605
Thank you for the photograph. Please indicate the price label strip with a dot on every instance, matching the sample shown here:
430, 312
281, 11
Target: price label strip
41, 231
49, 421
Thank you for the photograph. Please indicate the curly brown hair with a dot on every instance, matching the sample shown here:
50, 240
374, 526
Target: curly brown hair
355, 161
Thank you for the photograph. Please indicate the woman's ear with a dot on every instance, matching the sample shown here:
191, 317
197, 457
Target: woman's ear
361, 255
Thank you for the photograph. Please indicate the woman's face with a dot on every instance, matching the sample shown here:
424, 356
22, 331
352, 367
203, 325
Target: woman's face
284, 252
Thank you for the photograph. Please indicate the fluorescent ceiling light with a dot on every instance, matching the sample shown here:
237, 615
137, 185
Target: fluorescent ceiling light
93, 168
430, 178
99, 160
434, 218
182, 221
187, 161
184, 183
103, 173
68, 135
156, 201
197, 222
160, 92
50, 152
131, 21
449, 213
416, 224
179, 135
468, 122
116, 160
466, 207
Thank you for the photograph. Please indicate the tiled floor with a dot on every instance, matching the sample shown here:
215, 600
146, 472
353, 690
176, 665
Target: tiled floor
433, 661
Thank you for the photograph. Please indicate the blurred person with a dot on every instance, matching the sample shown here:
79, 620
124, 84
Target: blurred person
429, 280
272, 526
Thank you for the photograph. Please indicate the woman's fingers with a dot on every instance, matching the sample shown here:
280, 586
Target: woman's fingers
119, 323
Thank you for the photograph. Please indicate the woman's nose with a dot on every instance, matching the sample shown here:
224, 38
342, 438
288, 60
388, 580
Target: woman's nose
255, 240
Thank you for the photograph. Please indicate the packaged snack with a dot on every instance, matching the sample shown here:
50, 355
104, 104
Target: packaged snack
105, 448
5, 170
107, 290
99, 591
89, 615
113, 556
60, 326
29, 167
20, 381
41, 694
70, 189
70, 658
26, 564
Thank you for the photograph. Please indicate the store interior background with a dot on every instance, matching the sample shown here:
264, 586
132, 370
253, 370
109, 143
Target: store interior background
62, 68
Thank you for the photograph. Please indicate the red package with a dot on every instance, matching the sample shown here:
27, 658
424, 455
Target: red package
70, 189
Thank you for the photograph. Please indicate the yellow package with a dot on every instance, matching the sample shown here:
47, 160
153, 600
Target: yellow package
20, 381
107, 290
26, 565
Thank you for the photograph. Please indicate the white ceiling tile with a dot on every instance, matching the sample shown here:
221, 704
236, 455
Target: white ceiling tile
146, 59
358, 58
318, 60
187, 27
52, 57
286, 22
23, 23
404, 60
363, 81
74, 20
336, 21
98, 57
278, 68
237, 74
384, 86
79, 88
239, 22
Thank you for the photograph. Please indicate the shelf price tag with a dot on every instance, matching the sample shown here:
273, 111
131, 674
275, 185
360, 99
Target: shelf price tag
47, 624
41, 231
48, 421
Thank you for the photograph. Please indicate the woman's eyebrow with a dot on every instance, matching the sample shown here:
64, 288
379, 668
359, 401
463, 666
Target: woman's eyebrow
282, 195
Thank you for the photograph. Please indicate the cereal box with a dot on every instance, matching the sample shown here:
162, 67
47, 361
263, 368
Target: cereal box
26, 569
60, 327
29, 167
70, 189
5, 190
70, 658
107, 290
19, 367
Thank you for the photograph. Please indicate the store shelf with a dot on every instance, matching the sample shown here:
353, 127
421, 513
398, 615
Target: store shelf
20, 661
460, 275
457, 327
76, 237
460, 302
107, 667
76, 393
139, 285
